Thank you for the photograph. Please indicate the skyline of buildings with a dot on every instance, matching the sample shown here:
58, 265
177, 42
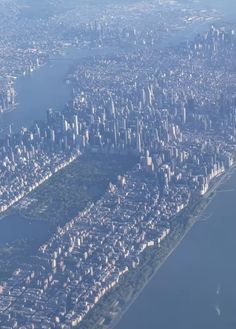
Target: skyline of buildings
176, 109
158, 91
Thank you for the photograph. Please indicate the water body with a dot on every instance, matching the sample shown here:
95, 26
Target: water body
196, 287
14, 227
36, 93
44, 88
226, 7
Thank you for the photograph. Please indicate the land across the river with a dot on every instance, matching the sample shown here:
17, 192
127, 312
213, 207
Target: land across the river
46, 88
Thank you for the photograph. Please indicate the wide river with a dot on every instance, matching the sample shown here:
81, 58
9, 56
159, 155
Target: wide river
45, 88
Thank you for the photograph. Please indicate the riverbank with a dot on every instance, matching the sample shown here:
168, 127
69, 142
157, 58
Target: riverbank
34, 219
114, 306
200, 207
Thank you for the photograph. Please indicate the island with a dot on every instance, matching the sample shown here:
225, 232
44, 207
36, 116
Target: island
122, 173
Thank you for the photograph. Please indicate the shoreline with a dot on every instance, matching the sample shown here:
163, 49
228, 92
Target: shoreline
209, 196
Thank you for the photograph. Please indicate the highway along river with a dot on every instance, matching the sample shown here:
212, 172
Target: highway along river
196, 287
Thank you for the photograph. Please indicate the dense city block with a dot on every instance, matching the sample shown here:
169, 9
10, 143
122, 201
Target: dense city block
31, 33
174, 108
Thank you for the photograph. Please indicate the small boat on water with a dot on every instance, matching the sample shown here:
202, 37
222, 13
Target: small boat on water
218, 311
218, 289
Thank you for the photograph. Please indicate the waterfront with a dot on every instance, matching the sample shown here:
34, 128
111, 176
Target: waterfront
218, 289
13, 227
195, 287
46, 88
37, 92
227, 7
43, 89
